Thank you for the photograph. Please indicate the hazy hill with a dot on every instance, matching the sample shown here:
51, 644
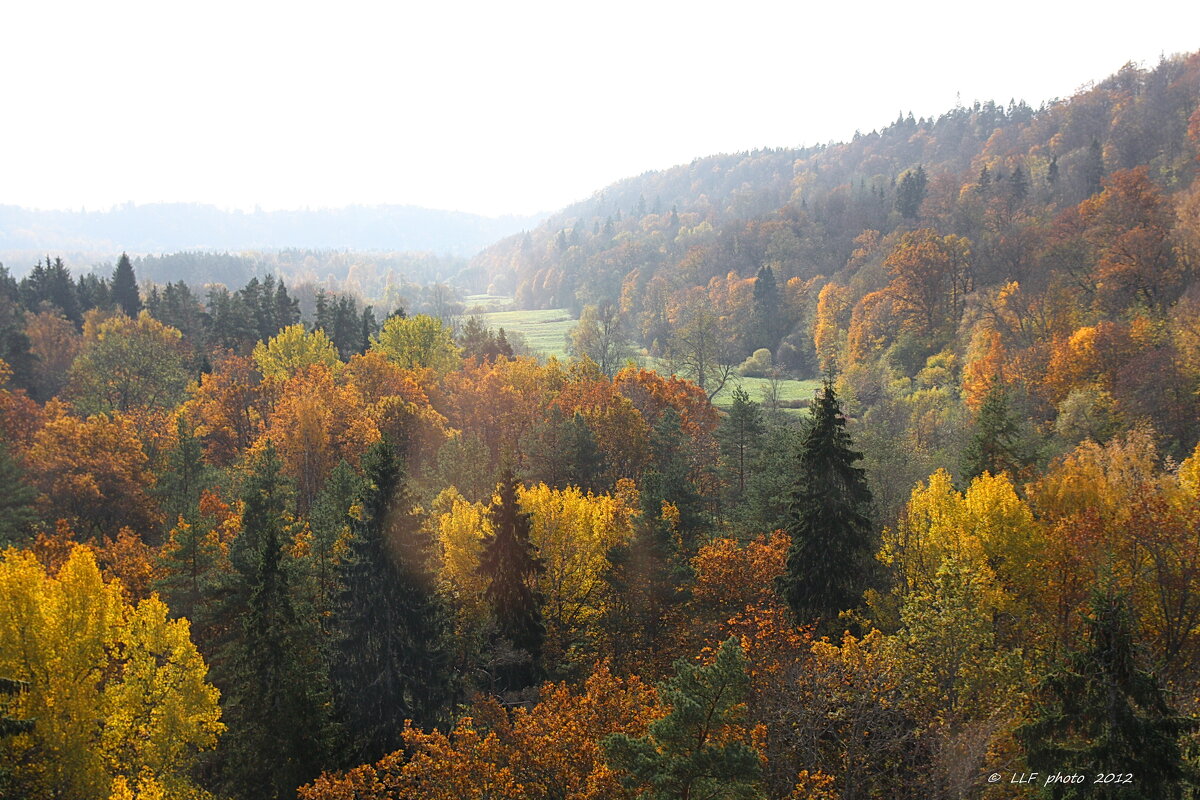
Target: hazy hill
168, 227
800, 210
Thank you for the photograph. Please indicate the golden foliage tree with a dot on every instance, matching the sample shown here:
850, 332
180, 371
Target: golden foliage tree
117, 690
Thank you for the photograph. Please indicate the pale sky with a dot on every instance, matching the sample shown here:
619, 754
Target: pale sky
495, 107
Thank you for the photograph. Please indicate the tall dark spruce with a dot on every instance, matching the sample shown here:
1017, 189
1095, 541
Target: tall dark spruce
1101, 712
275, 709
391, 662
831, 559
124, 290
511, 566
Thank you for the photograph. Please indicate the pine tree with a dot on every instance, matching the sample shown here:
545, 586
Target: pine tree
1100, 712
699, 749
510, 564
124, 290
994, 446
391, 626
17, 497
830, 561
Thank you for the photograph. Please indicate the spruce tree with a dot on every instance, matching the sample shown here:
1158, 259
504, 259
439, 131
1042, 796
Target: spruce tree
831, 558
510, 564
17, 497
994, 445
739, 434
275, 704
391, 658
690, 752
1100, 712
767, 309
124, 289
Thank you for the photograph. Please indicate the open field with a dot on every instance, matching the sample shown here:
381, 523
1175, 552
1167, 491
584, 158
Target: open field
790, 390
544, 331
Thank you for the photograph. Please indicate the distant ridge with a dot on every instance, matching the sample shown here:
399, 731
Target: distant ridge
167, 227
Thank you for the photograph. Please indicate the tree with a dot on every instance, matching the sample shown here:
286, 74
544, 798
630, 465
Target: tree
700, 749
419, 341
911, 192
700, 348
279, 729
600, 336
1100, 709
768, 312
510, 563
994, 446
830, 562
127, 363
390, 624
17, 499
739, 434
124, 288
292, 350
930, 280
114, 689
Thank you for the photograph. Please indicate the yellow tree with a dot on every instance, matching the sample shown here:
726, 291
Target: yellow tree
573, 533
292, 350
419, 341
117, 691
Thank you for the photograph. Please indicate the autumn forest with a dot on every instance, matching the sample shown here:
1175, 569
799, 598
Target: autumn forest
267, 534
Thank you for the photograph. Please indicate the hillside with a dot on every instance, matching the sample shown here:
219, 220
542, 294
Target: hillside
800, 211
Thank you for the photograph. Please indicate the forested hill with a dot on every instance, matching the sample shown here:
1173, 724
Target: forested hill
167, 227
799, 211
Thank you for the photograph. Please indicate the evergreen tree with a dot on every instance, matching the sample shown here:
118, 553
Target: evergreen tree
690, 753
391, 660
831, 558
585, 459
510, 564
994, 446
1100, 712
668, 479
17, 497
1093, 169
911, 193
186, 473
739, 434
767, 310
275, 700
124, 288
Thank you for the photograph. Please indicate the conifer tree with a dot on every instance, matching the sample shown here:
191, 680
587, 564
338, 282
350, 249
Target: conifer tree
699, 749
767, 309
17, 497
1101, 712
994, 445
275, 704
830, 561
739, 434
391, 657
510, 564
124, 291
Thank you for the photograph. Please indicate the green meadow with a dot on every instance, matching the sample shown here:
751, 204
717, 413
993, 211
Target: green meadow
545, 332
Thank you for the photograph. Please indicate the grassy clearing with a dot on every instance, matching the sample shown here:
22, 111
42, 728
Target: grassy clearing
545, 331
790, 390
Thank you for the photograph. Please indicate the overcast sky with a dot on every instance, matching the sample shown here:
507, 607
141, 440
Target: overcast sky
498, 107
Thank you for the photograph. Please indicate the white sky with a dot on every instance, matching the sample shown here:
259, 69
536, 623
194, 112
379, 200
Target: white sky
496, 107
